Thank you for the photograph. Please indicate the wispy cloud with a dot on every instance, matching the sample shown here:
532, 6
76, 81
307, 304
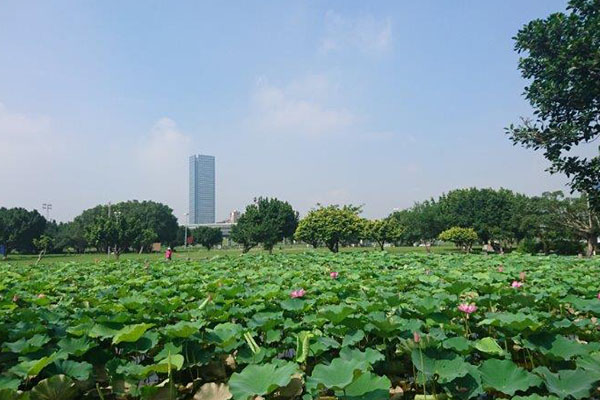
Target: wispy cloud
366, 33
301, 107
161, 164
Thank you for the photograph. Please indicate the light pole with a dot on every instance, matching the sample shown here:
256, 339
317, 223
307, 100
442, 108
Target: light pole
187, 221
47, 207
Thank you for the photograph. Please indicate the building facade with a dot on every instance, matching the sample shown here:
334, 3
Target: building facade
202, 189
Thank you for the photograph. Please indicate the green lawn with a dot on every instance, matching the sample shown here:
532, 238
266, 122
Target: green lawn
198, 253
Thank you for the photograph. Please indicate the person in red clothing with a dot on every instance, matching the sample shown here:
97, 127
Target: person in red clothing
168, 254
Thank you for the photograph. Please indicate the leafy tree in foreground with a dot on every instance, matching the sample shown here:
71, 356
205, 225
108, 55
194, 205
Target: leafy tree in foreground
562, 63
332, 225
208, 237
19, 227
383, 231
267, 221
461, 237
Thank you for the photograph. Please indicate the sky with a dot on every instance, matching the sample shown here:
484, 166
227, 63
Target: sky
381, 103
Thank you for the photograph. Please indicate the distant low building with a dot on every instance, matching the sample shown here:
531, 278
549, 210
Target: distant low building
234, 216
225, 227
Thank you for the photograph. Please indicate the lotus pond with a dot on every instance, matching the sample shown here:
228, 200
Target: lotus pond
302, 326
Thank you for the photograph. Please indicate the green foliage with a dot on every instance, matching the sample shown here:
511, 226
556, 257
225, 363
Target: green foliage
19, 227
331, 225
208, 237
266, 221
461, 237
560, 61
150, 332
383, 231
258, 380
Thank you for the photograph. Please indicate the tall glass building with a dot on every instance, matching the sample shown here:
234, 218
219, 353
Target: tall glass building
202, 189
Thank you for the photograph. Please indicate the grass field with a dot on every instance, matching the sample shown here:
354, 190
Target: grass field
199, 253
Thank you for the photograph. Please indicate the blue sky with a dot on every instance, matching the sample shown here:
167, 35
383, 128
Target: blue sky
381, 103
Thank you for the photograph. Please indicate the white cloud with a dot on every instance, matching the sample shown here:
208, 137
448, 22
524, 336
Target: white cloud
302, 107
162, 165
366, 33
21, 135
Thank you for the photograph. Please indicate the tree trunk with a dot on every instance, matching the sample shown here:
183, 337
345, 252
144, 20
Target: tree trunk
591, 246
381, 244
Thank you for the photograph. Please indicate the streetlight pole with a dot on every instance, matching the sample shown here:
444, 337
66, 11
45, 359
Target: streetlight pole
47, 207
187, 221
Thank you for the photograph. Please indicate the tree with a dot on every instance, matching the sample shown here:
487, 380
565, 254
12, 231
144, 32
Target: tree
208, 237
113, 232
422, 223
266, 221
562, 63
144, 239
581, 219
71, 235
332, 225
140, 215
19, 227
461, 237
43, 244
383, 231
489, 212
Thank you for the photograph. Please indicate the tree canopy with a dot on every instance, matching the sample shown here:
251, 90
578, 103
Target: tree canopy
208, 237
561, 61
331, 225
266, 221
19, 228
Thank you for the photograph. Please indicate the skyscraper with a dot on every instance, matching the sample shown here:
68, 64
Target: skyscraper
202, 189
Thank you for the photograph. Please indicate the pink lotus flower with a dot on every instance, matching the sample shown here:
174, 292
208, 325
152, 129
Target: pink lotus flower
500, 269
16, 298
416, 337
41, 296
297, 293
516, 284
333, 275
598, 296
467, 308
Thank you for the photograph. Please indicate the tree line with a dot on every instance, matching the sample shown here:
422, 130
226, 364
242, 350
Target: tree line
550, 223
499, 219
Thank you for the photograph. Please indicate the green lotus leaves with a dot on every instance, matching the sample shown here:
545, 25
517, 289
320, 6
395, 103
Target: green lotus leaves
29, 368
459, 344
338, 374
368, 386
575, 383
80, 371
11, 394
444, 365
58, 387
353, 338
369, 356
76, 346
24, 346
182, 329
489, 346
506, 377
259, 380
190, 327
336, 313
512, 321
131, 333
